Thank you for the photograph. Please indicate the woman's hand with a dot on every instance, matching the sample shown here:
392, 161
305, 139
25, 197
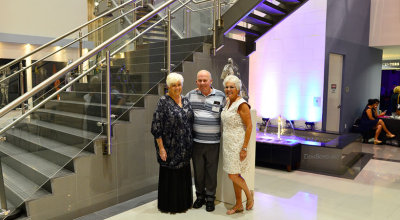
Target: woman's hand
163, 154
243, 155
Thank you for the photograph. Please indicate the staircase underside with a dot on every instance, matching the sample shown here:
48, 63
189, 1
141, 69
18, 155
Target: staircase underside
254, 18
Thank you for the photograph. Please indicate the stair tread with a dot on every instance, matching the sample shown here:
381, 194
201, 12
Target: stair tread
50, 144
94, 104
73, 115
20, 185
103, 93
37, 163
74, 131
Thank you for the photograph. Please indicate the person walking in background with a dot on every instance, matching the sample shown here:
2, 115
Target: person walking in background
207, 104
172, 130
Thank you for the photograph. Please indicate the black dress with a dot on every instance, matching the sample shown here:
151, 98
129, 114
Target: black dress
367, 124
174, 124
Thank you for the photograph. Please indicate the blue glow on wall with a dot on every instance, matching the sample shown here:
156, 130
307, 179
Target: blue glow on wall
287, 69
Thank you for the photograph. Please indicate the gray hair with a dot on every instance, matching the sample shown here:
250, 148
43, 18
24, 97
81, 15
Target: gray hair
233, 79
174, 78
205, 71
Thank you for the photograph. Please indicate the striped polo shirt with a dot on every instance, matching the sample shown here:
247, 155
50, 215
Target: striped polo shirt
207, 115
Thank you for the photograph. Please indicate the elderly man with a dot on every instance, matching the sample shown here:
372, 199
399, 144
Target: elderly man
207, 104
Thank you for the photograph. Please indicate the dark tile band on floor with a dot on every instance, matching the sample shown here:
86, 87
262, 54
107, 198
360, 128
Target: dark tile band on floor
121, 207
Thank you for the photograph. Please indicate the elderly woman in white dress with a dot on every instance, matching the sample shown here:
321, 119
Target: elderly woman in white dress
236, 121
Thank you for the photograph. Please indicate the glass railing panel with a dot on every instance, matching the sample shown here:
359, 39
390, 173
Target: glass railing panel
67, 50
42, 145
195, 18
139, 68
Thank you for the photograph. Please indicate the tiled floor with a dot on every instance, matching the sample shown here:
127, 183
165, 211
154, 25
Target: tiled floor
373, 194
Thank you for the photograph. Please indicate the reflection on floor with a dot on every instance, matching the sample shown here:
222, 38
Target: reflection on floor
373, 194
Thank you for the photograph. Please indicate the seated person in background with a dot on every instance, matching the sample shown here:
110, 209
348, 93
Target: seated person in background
369, 120
394, 100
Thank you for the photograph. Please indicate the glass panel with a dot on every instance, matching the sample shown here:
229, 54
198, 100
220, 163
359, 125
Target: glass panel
42, 145
139, 67
195, 18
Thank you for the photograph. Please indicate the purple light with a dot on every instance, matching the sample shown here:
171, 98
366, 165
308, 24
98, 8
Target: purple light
287, 70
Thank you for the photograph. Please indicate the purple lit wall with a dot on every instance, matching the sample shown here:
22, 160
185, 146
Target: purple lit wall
287, 69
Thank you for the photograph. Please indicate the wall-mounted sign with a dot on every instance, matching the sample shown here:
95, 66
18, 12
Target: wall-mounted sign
390, 64
333, 88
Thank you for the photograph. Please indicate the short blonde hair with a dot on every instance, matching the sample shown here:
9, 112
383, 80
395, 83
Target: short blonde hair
396, 89
233, 79
174, 78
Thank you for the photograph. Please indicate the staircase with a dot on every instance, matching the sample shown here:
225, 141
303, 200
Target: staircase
43, 149
254, 18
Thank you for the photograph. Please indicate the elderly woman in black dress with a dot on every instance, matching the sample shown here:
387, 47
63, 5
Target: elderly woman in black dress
172, 129
369, 120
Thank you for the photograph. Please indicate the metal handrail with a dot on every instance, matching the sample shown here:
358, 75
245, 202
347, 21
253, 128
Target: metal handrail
67, 45
79, 61
65, 35
15, 121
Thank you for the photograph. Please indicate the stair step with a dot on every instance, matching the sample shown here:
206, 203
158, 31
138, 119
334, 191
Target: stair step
272, 9
158, 48
64, 129
73, 115
37, 163
74, 120
31, 166
131, 99
90, 109
21, 187
289, 2
258, 20
93, 104
248, 31
49, 144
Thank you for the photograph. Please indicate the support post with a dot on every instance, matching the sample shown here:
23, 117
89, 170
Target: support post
107, 150
80, 68
169, 42
21, 85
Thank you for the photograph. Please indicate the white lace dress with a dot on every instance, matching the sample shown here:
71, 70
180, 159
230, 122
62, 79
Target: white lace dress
233, 137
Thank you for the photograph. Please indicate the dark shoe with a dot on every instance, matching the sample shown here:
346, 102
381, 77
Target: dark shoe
210, 206
198, 203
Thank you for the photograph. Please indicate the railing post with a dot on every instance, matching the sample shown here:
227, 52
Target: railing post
3, 200
21, 85
190, 23
219, 23
107, 149
80, 51
169, 42
185, 23
214, 47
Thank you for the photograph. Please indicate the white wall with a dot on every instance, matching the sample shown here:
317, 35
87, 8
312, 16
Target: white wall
384, 23
46, 18
287, 69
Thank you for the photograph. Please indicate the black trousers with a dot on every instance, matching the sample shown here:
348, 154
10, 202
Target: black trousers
205, 165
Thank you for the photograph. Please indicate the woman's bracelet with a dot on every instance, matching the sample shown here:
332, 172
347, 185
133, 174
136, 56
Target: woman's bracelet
244, 148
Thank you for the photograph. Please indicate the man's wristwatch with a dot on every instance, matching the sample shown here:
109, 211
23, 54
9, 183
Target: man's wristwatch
244, 148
